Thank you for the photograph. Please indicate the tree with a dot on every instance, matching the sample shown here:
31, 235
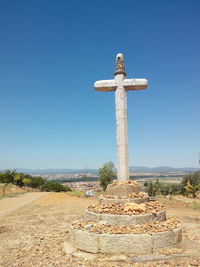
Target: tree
194, 178
18, 180
191, 183
151, 189
157, 186
8, 177
190, 189
26, 181
106, 174
37, 182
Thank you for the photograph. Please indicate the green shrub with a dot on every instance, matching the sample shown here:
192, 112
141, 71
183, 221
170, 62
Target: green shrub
50, 186
37, 181
163, 188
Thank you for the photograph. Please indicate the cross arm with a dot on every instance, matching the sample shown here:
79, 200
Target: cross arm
105, 85
135, 84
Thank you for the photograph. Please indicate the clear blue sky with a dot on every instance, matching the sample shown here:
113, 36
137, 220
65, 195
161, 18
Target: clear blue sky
52, 52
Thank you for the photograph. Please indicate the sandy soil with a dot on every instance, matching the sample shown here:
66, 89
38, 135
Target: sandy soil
34, 234
11, 204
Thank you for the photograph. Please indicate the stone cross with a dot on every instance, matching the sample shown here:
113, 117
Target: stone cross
120, 85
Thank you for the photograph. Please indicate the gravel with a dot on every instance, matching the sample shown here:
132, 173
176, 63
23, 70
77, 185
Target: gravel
148, 228
127, 208
35, 235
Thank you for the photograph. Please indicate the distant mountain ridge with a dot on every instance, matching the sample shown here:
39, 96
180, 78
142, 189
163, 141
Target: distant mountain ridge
162, 169
53, 171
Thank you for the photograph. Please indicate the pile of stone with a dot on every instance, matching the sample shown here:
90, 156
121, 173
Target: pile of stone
121, 224
127, 208
124, 192
124, 183
148, 228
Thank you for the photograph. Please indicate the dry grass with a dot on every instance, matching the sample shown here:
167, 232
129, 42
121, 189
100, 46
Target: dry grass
77, 193
181, 203
11, 191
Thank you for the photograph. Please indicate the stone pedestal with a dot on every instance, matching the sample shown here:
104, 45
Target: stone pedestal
118, 225
122, 189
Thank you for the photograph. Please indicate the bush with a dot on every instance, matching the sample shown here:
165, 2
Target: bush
50, 186
163, 188
26, 181
171, 189
21, 179
37, 182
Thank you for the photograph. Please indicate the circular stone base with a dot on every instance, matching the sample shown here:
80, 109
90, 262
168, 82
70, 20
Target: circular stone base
107, 258
127, 220
107, 201
137, 244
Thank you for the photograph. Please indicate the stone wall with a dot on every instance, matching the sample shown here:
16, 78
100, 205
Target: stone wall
107, 201
127, 220
137, 244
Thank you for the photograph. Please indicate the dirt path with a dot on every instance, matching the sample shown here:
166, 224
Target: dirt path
11, 204
34, 235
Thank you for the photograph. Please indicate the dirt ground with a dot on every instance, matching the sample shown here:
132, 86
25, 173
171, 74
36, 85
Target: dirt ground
12, 203
33, 235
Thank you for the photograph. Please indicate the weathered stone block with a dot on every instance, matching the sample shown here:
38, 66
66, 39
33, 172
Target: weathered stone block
177, 235
164, 240
107, 201
125, 243
160, 216
92, 217
144, 218
137, 244
86, 241
71, 235
115, 219
118, 190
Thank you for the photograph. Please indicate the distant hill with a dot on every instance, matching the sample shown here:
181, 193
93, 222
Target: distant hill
53, 171
162, 169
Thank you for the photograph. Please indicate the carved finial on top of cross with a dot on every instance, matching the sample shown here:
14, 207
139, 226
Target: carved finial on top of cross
120, 69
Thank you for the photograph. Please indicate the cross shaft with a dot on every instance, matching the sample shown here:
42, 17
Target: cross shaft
120, 85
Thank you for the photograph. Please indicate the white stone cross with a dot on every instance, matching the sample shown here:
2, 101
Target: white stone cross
120, 85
